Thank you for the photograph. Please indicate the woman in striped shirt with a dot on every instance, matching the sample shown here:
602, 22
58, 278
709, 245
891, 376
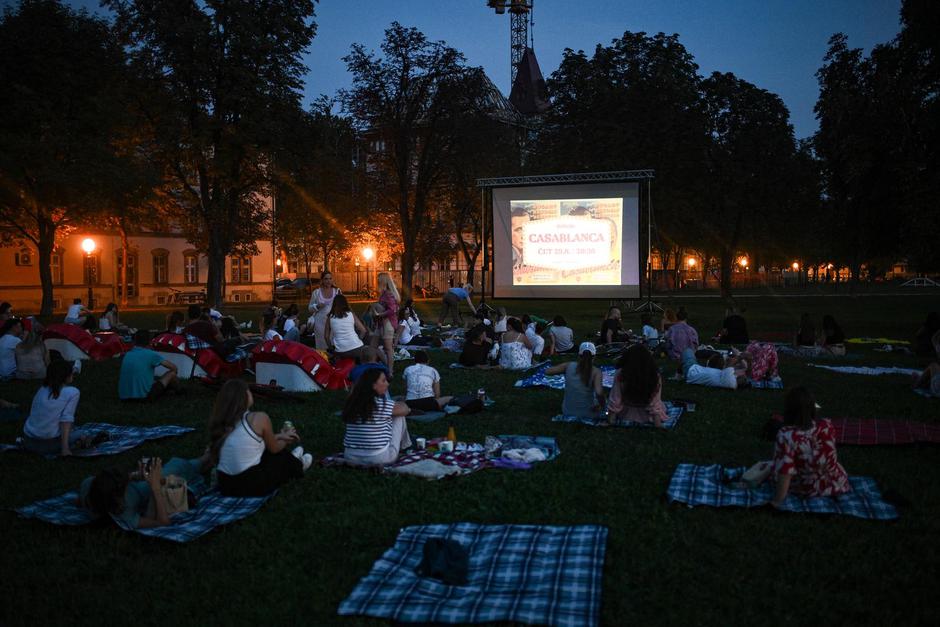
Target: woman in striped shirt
376, 430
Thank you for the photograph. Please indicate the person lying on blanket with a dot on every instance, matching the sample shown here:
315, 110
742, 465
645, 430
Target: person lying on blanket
423, 384
48, 429
137, 498
252, 460
636, 394
713, 374
376, 429
929, 379
584, 390
805, 461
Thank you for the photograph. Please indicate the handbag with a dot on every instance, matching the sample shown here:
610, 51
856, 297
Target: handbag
175, 495
757, 474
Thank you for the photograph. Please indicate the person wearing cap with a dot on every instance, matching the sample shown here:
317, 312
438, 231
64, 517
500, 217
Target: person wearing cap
584, 390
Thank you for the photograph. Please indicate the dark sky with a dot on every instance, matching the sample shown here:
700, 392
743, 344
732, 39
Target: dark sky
776, 44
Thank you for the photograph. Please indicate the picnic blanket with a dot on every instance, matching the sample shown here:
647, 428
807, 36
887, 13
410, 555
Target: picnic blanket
122, 438
774, 383
526, 574
875, 340
675, 412
212, 510
874, 431
869, 370
711, 485
557, 381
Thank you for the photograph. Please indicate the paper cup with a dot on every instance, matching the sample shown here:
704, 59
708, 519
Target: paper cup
446, 446
421, 443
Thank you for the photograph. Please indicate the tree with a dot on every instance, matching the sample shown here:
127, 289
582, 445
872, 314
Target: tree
60, 70
404, 104
222, 77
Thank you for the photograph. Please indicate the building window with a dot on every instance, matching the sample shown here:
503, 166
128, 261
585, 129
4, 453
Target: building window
241, 269
131, 274
24, 257
161, 267
92, 269
55, 264
190, 268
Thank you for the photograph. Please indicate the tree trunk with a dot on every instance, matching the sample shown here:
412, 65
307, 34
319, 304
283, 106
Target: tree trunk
45, 245
215, 281
124, 248
326, 259
725, 260
677, 277
407, 268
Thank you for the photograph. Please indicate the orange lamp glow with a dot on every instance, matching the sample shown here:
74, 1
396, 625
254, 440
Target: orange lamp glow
88, 245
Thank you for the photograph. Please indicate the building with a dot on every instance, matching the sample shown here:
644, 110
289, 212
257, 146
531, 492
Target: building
163, 269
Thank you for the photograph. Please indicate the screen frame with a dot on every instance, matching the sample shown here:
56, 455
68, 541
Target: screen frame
628, 191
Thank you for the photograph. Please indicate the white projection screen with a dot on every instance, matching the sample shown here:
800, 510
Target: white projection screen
566, 241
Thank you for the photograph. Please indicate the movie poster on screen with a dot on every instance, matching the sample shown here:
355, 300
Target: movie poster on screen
566, 242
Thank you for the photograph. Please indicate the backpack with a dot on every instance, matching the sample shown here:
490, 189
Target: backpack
468, 404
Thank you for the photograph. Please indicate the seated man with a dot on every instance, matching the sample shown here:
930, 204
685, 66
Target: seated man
77, 313
733, 329
204, 333
137, 381
681, 336
475, 349
713, 374
538, 340
423, 383
369, 361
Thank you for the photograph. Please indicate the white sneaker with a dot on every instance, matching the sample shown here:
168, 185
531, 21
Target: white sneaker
307, 461
298, 453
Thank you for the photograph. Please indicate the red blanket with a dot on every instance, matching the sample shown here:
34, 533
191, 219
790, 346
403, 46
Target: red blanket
873, 431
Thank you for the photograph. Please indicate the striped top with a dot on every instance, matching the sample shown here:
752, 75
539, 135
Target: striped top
373, 436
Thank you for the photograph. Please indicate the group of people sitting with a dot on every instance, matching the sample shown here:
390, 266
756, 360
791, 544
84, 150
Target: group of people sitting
109, 321
830, 338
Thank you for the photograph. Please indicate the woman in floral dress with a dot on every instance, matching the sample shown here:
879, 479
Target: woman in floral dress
805, 460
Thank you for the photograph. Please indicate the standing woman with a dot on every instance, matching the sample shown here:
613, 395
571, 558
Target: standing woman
584, 391
321, 302
387, 321
252, 459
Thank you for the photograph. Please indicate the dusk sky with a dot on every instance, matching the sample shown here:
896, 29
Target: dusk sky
776, 44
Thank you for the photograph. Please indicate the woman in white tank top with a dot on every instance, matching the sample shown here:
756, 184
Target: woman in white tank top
343, 329
252, 460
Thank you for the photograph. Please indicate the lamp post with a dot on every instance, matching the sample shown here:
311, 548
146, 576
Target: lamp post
88, 245
357, 274
368, 254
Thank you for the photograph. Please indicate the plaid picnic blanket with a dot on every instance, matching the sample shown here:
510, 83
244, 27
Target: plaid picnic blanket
528, 574
675, 412
873, 432
774, 383
869, 370
212, 510
709, 485
122, 438
194, 343
557, 381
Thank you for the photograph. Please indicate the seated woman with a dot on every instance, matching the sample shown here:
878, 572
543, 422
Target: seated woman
650, 333
292, 326
636, 392
269, 327
32, 357
376, 430
409, 327
499, 325
612, 327
733, 329
423, 385
805, 460
111, 321
540, 345
584, 390
832, 339
805, 339
515, 353
10, 337
475, 349
136, 497
563, 335
251, 459
175, 323
48, 429
344, 331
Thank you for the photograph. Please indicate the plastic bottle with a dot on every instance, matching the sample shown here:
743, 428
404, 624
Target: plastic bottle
452, 435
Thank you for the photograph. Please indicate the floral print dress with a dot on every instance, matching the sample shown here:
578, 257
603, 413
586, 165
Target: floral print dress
810, 457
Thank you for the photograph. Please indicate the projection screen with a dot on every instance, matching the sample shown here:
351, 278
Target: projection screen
566, 241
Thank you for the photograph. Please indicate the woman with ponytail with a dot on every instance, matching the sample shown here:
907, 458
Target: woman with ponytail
584, 391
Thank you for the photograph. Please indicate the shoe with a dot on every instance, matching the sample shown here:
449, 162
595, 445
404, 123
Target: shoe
307, 461
298, 452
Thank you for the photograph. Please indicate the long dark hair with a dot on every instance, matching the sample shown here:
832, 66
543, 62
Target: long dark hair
361, 400
515, 324
111, 306
639, 376
57, 374
585, 366
231, 403
106, 492
174, 320
340, 307
8, 324
830, 326
799, 408
560, 321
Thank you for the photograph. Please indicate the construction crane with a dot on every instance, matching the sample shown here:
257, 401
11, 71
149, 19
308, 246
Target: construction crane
520, 13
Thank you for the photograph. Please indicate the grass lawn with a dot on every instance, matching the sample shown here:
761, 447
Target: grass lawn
301, 554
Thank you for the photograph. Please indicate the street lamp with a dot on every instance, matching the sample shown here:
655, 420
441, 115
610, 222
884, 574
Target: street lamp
88, 245
368, 253
357, 274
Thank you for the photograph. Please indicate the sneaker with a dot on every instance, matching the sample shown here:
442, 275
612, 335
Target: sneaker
298, 453
307, 461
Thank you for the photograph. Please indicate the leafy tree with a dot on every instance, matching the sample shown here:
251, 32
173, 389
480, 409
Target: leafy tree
222, 77
405, 103
61, 72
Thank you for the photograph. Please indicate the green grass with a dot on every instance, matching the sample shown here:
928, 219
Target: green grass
296, 559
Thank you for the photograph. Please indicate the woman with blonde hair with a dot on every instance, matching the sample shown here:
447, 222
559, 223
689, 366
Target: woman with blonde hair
32, 357
387, 320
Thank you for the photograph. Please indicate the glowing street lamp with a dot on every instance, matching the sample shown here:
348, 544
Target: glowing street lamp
690, 262
368, 253
742, 262
88, 245
795, 266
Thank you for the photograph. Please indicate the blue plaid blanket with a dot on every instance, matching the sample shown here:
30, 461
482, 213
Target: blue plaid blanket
767, 384
869, 370
123, 438
212, 510
557, 381
548, 444
194, 343
711, 485
675, 412
529, 574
